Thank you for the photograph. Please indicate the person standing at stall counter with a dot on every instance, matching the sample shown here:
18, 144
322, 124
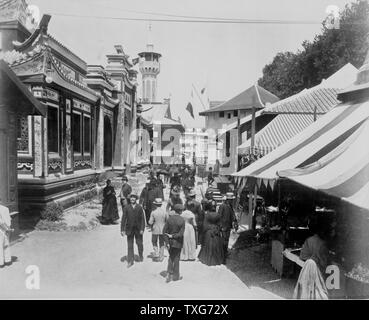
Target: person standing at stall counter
315, 253
228, 220
173, 230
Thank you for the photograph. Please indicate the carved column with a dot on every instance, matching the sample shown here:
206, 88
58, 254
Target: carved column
37, 146
118, 146
99, 150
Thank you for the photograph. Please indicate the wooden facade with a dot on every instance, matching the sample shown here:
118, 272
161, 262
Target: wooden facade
15, 101
61, 156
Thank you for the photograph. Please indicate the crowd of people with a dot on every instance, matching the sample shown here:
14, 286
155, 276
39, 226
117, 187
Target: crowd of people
181, 227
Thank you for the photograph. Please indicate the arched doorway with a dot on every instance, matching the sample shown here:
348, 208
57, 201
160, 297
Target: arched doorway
108, 142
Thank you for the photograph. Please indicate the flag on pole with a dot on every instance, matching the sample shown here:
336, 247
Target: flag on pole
189, 108
135, 61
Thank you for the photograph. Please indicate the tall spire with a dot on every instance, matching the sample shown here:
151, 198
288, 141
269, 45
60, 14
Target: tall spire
149, 67
150, 45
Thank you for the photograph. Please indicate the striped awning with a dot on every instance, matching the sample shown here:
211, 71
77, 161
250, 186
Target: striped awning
331, 156
278, 131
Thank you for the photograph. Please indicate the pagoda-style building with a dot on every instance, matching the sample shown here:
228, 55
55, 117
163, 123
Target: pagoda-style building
90, 111
120, 71
56, 152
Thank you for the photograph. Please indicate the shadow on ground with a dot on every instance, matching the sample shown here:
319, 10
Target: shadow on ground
124, 258
251, 263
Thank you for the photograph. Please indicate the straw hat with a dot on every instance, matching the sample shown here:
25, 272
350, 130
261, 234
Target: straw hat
158, 201
230, 196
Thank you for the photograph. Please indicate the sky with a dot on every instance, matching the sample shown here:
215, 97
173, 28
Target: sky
224, 58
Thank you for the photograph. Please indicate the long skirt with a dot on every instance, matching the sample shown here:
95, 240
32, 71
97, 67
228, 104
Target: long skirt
5, 255
110, 209
212, 249
189, 243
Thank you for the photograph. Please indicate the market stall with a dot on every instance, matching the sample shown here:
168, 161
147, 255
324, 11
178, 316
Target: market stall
331, 161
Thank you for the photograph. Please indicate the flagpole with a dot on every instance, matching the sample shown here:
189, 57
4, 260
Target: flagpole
198, 96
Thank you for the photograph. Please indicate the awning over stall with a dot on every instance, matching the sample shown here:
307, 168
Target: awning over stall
343, 172
330, 155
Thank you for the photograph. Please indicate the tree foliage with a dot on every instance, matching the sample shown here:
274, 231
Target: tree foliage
289, 72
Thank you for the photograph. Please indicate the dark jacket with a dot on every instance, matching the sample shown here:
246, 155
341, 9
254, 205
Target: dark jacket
172, 202
125, 191
175, 181
133, 218
148, 195
227, 216
108, 192
174, 226
195, 207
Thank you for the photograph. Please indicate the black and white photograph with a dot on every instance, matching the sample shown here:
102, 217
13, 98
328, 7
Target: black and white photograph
184, 150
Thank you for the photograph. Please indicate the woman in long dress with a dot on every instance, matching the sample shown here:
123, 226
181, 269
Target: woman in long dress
110, 208
212, 252
189, 238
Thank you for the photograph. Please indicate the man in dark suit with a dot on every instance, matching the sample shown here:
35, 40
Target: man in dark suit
133, 225
125, 191
173, 231
149, 193
228, 220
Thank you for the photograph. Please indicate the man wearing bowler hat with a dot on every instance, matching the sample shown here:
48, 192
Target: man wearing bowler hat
173, 230
228, 220
157, 221
133, 226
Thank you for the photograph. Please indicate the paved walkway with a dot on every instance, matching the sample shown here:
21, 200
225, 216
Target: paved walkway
78, 265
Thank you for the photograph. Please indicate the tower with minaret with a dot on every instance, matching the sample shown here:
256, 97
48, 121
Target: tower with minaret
149, 66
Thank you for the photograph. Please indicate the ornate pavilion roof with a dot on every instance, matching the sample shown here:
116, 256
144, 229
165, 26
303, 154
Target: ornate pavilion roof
42, 36
13, 10
42, 56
